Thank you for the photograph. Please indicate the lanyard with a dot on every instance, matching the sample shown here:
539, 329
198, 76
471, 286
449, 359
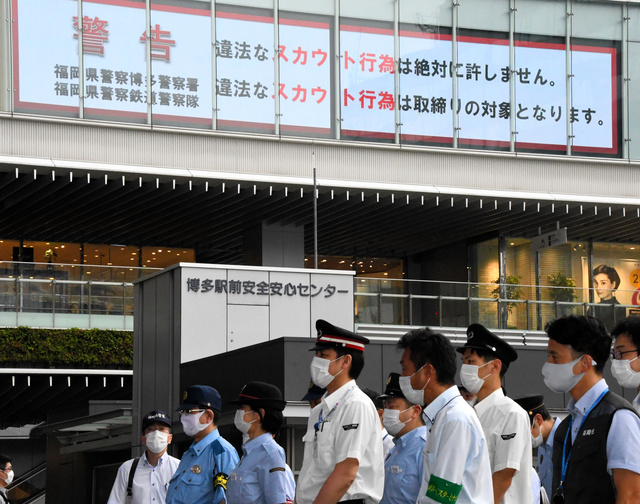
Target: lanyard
321, 421
565, 456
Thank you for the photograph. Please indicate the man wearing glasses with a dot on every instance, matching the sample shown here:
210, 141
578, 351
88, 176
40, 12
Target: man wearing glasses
596, 449
205, 467
6, 477
144, 480
625, 366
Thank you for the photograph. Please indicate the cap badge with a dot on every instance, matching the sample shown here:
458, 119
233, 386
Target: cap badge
469, 335
389, 380
319, 333
184, 395
196, 469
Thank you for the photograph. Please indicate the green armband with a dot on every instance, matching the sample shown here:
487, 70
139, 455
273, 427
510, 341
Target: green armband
443, 491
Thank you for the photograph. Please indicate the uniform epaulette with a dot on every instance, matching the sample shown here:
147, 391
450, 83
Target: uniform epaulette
217, 447
270, 448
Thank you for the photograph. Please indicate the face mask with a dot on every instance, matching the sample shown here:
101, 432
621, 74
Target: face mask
391, 420
470, 379
537, 441
560, 377
320, 371
9, 478
192, 425
624, 375
156, 441
239, 422
412, 395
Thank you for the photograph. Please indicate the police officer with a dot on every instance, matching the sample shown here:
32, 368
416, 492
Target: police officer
543, 429
262, 476
403, 465
145, 479
485, 360
596, 449
343, 444
204, 469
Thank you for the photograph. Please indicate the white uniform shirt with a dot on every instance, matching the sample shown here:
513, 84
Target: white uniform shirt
508, 431
456, 452
149, 483
348, 426
387, 443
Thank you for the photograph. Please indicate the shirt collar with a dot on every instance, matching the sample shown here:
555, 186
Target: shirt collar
406, 438
552, 433
329, 401
206, 441
489, 401
254, 443
432, 409
582, 405
145, 460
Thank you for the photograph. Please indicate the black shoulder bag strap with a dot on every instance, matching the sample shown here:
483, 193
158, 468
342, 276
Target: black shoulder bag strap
132, 472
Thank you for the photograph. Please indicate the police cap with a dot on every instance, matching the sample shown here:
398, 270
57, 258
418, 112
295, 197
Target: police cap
314, 392
480, 338
531, 404
155, 416
261, 395
393, 387
200, 396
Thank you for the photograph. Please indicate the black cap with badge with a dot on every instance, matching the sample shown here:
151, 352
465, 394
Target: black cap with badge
330, 336
532, 405
392, 389
200, 396
314, 392
480, 338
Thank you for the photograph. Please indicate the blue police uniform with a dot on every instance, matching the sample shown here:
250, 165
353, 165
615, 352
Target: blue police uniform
262, 476
545, 458
202, 474
403, 468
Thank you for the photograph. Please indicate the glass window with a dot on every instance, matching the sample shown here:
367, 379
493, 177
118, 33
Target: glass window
161, 257
367, 82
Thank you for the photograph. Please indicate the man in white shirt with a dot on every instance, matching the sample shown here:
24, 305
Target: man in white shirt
456, 465
343, 444
485, 360
146, 479
625, 366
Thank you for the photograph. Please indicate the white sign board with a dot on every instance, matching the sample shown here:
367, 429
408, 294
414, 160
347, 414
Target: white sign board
227, 308
551, 239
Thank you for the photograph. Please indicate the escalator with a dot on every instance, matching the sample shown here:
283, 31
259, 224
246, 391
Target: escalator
30, 487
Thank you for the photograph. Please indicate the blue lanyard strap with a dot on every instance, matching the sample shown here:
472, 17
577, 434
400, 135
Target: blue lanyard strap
565, 455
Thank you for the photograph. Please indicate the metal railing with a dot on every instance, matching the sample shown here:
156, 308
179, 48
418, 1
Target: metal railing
67, 295
458, 304
29, 487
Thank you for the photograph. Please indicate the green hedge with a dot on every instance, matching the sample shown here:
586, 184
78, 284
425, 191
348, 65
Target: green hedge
92, 348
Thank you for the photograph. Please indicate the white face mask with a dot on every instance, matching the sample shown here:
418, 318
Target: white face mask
191, 424
156, 441
9, 478
470, 379
239, 422
560, 377
319, 369
624, 375
391, 420
412, 395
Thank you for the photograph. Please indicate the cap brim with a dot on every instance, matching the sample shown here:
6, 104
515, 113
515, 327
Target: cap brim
189, 406
310, 396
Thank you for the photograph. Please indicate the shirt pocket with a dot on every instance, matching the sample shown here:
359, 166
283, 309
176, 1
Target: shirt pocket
193, 479
324, 450
248, 485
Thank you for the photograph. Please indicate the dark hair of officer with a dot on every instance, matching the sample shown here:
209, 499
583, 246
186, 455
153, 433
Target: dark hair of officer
4, 460
428, 347
630, 326
585, 335
357, 361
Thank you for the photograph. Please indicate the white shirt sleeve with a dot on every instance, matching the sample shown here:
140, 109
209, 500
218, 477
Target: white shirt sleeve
511, 442
354, 433
119, 490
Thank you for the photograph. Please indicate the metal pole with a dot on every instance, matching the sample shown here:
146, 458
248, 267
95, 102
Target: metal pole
315, 216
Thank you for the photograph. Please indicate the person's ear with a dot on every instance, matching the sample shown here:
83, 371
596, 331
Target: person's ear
169, 438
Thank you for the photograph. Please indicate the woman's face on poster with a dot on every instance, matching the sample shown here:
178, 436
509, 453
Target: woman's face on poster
603, 286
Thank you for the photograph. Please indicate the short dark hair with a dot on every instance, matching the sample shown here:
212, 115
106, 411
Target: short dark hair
428, 347
603, 269
272, 420
488, 356
4, 460
630, 326
216, 416
585, 335
357, 361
